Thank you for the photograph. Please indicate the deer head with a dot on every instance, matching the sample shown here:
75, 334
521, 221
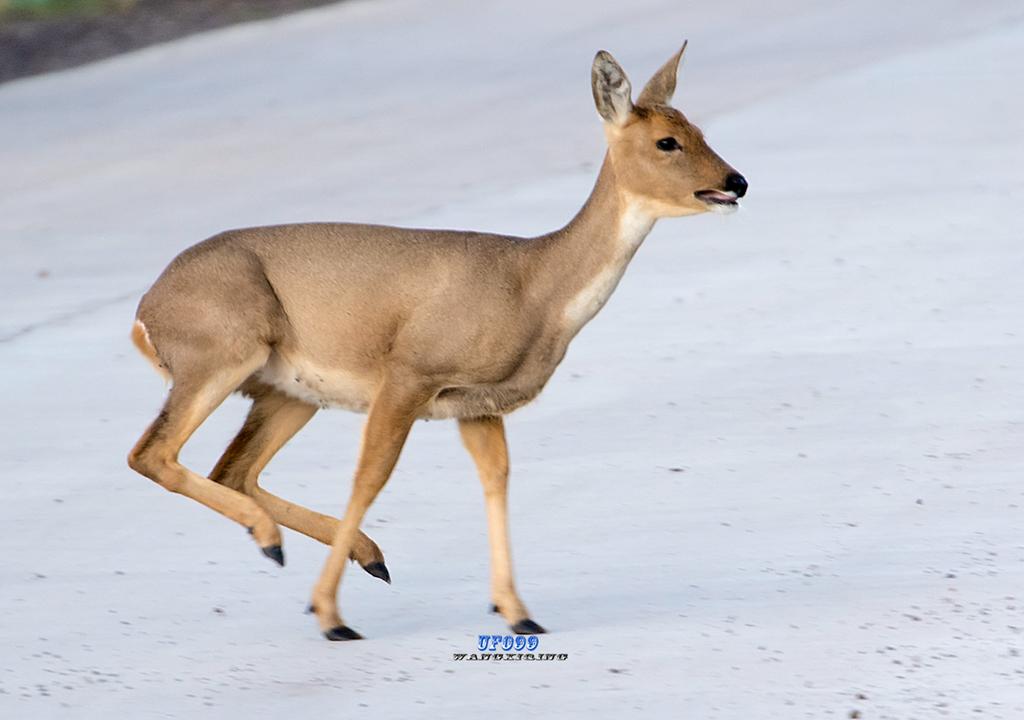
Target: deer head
661, 160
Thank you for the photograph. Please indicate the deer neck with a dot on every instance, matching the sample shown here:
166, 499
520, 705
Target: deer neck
584, 261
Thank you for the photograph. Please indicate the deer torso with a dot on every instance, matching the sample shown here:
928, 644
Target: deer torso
486, 318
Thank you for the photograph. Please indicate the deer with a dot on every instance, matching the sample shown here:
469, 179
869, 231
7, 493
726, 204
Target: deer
404, 324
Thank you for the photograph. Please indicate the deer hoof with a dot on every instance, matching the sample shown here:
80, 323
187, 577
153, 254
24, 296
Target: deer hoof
275, 553
342, 632
528, 627
378, 570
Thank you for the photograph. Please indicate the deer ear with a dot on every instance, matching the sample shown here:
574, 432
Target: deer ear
659, 89
611, 89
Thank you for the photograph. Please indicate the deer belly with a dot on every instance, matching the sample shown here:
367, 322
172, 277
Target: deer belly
327, 387
331, 387
479, 401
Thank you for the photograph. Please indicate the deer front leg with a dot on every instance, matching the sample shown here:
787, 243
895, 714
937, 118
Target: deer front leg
484, 438
391, 416
272, 421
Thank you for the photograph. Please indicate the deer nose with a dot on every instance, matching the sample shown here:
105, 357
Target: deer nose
737, 184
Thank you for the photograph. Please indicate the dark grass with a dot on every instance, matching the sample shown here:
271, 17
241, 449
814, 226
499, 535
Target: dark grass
38, 37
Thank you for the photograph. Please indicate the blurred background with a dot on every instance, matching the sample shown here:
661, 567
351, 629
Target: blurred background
44, 35
777, 477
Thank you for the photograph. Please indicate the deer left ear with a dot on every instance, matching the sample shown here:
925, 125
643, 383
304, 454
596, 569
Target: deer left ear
611, 89
659, 89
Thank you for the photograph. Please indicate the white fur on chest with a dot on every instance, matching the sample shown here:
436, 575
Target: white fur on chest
633, 227
305, 380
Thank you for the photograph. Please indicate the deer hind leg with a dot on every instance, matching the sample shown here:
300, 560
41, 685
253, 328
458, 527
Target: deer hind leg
391, 416
272, 421
484, 438
190, 402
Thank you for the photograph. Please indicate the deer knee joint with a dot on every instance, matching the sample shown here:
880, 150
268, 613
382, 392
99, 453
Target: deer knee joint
155, 465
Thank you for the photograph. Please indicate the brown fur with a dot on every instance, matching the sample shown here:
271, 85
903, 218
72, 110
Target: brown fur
402, 324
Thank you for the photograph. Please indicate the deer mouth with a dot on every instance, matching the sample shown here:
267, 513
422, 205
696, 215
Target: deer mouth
723, 201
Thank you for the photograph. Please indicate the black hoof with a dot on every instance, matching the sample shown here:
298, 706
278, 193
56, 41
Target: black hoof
528, 627
379, 570
342, 632
494, 609
275, 553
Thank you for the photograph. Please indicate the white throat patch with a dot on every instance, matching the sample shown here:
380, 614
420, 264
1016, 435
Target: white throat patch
633, 227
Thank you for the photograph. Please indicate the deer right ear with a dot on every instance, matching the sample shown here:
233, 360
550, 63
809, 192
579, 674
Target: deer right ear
611, 89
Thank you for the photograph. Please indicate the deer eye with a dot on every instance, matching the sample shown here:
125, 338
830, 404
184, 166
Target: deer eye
668, 144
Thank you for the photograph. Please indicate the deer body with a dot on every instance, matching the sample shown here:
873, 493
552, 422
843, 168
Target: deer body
402, 324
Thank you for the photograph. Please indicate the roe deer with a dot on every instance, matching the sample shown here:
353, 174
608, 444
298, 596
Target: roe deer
404, 324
